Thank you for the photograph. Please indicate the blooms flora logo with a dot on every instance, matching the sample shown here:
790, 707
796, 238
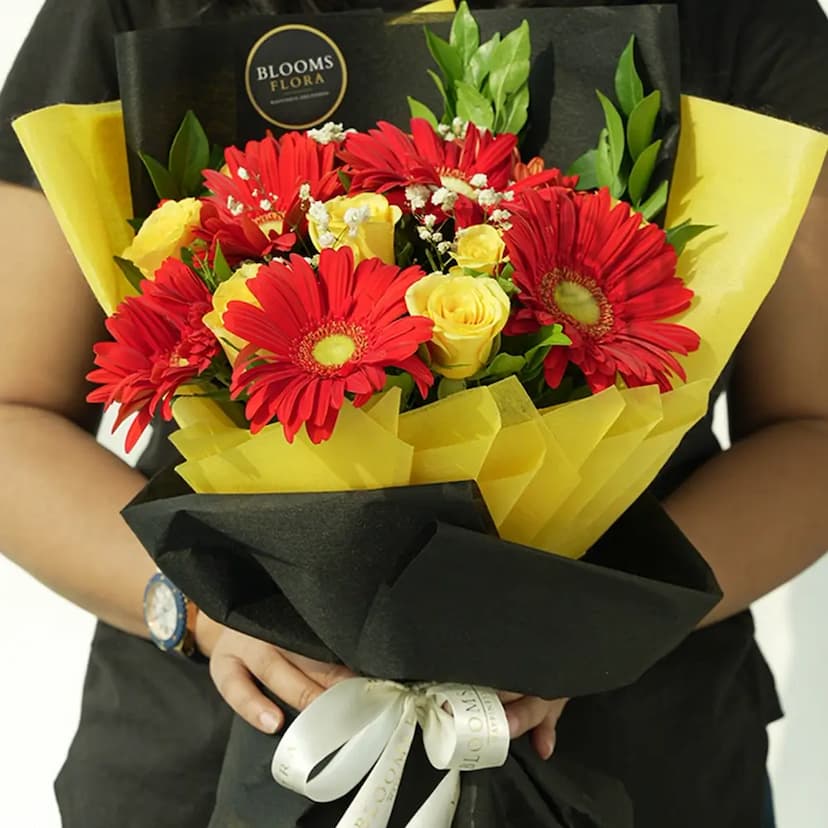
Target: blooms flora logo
296, 77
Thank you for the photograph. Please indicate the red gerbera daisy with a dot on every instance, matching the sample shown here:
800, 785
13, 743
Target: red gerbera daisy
256, 208
159, 344
317, 337
386, 158
593, 268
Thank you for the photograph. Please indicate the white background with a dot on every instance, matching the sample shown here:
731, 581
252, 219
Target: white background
44, 642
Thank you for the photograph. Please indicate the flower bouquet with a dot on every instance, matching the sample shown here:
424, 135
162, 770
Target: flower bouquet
423, 382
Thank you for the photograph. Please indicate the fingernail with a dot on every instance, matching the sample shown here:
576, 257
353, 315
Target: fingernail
269, 722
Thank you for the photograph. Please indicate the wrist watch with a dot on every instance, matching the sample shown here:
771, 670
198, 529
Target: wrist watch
170, 616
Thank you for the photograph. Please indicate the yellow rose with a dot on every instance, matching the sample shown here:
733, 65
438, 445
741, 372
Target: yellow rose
365, 223
234, 289
468, 313
168, 229
480, 248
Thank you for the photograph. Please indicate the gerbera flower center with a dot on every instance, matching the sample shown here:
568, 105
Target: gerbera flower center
579, 298
455, 180
326, 349
270, 222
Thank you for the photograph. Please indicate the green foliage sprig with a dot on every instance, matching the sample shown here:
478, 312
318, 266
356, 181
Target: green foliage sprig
189, 155
484, 83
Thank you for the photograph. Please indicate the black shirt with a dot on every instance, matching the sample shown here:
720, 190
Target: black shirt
688, 739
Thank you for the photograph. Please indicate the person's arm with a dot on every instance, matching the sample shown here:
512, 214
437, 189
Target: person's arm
60, 492
757, 513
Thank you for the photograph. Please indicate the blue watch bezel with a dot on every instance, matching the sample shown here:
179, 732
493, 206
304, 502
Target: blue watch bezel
181, 610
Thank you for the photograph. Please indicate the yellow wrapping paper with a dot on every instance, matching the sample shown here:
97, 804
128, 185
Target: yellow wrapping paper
79, 156
556, 479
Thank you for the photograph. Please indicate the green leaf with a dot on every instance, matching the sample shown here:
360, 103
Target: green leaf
446, 57
165, 185
685, 232
604, 173
344, 179
641, 125
615, 132
403, 381
585, 168
221, 268
449, 101
656, 202
447, 387
474, 106
510, 64
642, 172
136, 223
549, 337
515, 112
465, 33
628, 87
132, 273
504, 365
189, 155
420, 110
478, 68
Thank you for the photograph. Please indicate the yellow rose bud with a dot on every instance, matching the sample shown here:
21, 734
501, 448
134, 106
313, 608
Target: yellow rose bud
234, 289
168, 229
468, 313
364, 222
480, 248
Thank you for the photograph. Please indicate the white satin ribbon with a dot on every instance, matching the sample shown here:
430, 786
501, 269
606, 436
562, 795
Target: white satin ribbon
369, 725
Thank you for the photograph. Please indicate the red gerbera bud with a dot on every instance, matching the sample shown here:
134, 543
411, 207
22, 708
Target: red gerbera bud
592, 266
317, 337
160, 343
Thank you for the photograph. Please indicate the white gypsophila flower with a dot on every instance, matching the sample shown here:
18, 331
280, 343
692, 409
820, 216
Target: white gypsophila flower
305, 192
243, 174
436, 237
445, 198
417, 196
459, 127
329, 133
430, 220
508, 195
354, 216
234, 206
265, 205
318, 213
424, 233
313, 261
327, 239
444, 247
479, 181
488, 198
500, 216
444, 131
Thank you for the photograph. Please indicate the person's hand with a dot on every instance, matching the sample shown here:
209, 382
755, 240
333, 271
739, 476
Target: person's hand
525, 713
237, 661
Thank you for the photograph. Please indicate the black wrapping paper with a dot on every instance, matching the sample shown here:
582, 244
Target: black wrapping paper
163, 73
412, 584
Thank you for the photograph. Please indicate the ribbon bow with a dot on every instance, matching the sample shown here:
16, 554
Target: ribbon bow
366, 723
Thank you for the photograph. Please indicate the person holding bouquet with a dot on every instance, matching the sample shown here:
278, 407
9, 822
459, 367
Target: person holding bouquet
146, 716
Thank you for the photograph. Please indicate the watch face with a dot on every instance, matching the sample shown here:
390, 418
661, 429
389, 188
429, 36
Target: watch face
163, 613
